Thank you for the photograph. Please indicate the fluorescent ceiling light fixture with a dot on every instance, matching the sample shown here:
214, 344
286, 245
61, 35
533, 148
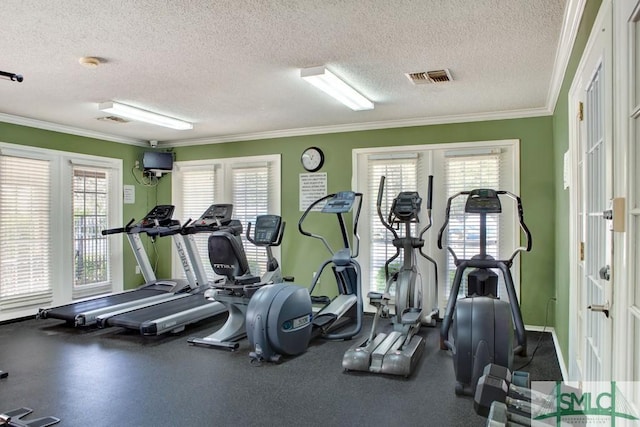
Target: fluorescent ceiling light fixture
133, 113
329, 83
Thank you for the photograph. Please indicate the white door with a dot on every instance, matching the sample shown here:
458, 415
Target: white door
592, 93
631, 85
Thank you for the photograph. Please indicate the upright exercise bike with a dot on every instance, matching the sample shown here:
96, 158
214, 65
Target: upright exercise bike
398, 351
483, 324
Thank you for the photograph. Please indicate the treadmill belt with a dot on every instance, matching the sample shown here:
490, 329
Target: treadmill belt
135, 319
70, 311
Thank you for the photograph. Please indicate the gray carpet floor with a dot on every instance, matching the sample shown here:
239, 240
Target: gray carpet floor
114, 377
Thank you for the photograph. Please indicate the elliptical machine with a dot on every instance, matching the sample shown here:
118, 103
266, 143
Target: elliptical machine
280, 318
235, 289
482, 323
398, 352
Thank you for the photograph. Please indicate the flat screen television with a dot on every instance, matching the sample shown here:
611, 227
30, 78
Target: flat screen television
157, 161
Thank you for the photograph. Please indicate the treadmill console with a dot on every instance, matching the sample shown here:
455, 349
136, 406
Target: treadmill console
214, 215
406, 207
159, 216
340, 203
217, 217
483, 201
267, 229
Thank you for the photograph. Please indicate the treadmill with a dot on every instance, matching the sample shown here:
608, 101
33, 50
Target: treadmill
173, 316
157, 222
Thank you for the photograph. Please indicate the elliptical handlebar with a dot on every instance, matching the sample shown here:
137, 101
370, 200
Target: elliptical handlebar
393, 231
356, 250
429, 204
379, 207
304, 215
338, 211
523, 226
446, 216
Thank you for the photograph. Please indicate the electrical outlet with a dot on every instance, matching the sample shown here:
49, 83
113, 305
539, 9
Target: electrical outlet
137, 164
138, 269
313, 276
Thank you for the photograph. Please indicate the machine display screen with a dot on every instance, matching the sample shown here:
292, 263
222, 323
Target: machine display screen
301, 321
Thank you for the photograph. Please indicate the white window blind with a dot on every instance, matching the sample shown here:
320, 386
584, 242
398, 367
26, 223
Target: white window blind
198, 193
251, 184
25, 238
465, 173
251, 191
400, 175
455, 167
91, 260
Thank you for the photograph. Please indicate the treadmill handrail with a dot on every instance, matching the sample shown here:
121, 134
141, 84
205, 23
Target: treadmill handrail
119, 229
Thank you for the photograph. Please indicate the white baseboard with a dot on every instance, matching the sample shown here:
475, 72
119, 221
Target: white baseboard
556, 345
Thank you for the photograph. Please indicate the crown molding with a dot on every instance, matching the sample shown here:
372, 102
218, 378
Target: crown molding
354, 127
41, 124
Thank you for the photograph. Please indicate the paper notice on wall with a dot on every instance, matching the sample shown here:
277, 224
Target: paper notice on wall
313, 186
129, 194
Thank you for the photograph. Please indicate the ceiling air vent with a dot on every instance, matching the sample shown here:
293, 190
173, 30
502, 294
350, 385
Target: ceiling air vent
113, 119
435, 76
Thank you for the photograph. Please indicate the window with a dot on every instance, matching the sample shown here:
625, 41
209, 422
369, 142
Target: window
250, 199
455, 167
468, 171
400, 175
53, 207
251, 184
25, 242
90, 217
197, 193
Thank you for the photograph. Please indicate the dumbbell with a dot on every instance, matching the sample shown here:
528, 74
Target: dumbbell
498, 384
500, 416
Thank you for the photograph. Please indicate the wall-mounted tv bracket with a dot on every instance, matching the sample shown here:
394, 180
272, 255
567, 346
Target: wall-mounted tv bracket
12, 76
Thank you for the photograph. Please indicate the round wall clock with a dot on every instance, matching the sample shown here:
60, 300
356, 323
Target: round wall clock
312, 159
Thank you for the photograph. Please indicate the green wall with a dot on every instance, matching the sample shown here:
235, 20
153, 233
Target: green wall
561, 145
145, 196
301, 256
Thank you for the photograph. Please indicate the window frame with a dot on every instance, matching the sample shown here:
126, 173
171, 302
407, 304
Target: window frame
223, 193
61, 227
431, 157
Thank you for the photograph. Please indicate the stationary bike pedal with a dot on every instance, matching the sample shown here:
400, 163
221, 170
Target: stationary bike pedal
385, 312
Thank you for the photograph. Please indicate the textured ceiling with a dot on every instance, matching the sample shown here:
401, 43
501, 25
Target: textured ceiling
232, 67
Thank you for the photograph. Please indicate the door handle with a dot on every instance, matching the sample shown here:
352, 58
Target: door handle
605, 273
600, 308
